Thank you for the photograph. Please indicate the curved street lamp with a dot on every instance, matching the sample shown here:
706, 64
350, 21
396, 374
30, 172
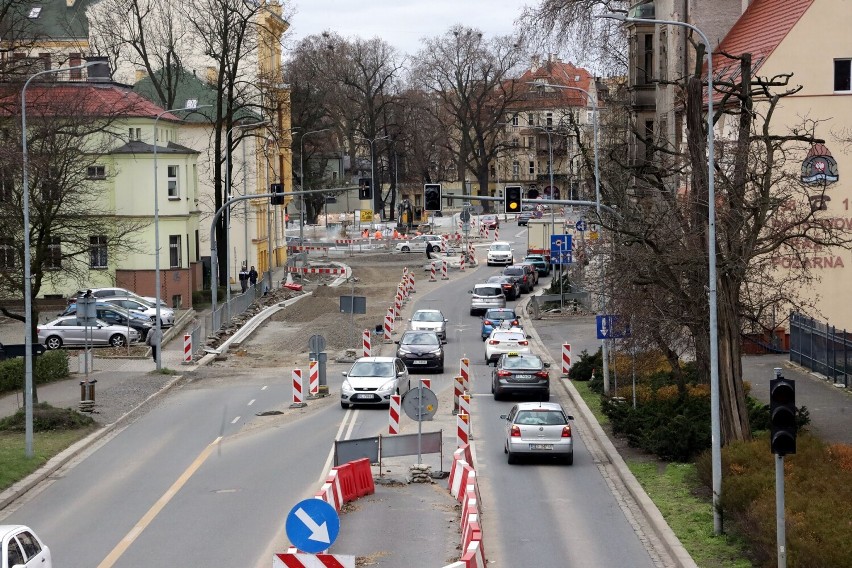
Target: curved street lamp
715, 421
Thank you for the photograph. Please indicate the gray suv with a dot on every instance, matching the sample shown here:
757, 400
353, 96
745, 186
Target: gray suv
486, 296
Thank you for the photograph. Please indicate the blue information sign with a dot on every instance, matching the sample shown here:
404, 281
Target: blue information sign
560, 249
312, 525
581, 225
611, 327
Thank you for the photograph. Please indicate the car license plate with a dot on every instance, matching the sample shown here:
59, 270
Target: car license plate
364, 396
541, 446
523, 376
420, 362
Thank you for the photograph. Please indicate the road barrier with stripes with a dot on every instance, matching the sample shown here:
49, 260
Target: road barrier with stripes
388, 327
566, 359
313, 377
458, 390
311, 270
444, 270
298, 389
432, 272
427, 383
464, 373
462, 429
393, 414
302, 560
368, 349
464, 408
187, 348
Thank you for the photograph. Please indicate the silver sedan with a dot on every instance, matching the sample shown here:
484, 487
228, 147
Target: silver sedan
66, 331
538, 429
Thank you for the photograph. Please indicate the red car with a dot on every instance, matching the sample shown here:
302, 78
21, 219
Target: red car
490, 222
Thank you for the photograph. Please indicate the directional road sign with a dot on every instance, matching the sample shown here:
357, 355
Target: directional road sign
581, 225
611, 327
312, 525
560, 249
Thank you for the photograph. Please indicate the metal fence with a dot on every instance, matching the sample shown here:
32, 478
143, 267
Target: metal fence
820, 347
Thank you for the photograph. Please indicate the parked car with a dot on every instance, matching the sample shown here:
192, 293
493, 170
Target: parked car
519, 373
538, 429
13, 350
104, 293
65, 331
485, 296
167, 315
430, 320
421, 350
372, 380
502, 341
511, 288
540, 263
116, 315
521, 276
418, 244
500, 252
490, 222
23, 548
495, 317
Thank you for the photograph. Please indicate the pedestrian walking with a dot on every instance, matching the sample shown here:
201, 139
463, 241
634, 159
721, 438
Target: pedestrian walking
252, 276
154, 339
429, 250
243, 279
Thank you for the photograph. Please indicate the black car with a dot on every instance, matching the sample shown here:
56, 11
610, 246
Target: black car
511, 288
520, 373
421, 350
520, 274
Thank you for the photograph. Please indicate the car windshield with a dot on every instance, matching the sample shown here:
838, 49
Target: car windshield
521, 363
540, 418
502, 247
419, 339
499, 314
427, 316
488, 291
371, 369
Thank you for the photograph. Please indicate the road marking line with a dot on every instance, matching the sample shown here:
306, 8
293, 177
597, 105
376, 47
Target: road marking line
234, 421
263, 388
350, 416
148, 517
251, 402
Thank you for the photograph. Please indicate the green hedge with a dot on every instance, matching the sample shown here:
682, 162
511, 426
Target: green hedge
47, 368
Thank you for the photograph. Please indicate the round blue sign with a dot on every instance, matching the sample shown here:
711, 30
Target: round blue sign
312, 525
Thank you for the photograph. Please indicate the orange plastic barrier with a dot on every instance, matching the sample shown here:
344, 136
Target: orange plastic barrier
348, 484
363, 477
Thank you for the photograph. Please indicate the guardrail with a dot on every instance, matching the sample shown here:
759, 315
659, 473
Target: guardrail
820, 347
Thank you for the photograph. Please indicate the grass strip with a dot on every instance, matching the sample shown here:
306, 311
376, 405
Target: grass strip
15, 464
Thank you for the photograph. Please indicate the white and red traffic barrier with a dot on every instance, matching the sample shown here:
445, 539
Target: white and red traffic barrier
411, 285
365, 342
393, 414
308, 270
388, 327
458, 390
302, 560
397, 307
464, 408
313, 378
496, 234
187, 348
432, 272
566, 359
444, 270
462, 429
298, 388
464, 373
461, 263
427, 383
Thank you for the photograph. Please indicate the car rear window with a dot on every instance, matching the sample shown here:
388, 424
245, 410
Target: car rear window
540, 418
509, 336
488, 291
501, 247
500, 314
522, 363
513, 271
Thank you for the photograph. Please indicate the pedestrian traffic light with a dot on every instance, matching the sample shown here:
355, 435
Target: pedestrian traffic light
365, 188
513, 199
782, 415
278, 194
432, 197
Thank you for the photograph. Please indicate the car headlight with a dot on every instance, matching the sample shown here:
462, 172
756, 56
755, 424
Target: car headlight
388, 386
346, 387
403, 351
435, 352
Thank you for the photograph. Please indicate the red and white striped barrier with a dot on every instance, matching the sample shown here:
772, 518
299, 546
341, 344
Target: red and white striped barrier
432, 272
444, 270
427, 383
566, 359
471, 254
393, 414
397, 307
462, 432
301, 560
388, 328
331, 490
496, 234
474, 557
457, 473
368, 348
412, 288
464, 373
313, 377
458, 390
307, 270
305, 248
464, 408
298, 390
350, 241
461, 263
187, 348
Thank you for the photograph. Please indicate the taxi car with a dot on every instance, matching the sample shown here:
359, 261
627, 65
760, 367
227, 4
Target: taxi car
520, 373
541, 429
505, 341
418, 244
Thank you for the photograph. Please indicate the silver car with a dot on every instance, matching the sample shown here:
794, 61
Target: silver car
66, 331
167, 315
538, 429
372, 380
429, 320
486, 296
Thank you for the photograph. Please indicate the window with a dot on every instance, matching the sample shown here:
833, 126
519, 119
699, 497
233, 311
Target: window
50, 186
7, 184
549, 119
98, 251
96, 172
515, 142
515, 120
843, 74
530, 119
75, 59
531, 142
174, 251
516, 169
647, 67
649, 139
7, 253
532, 168
134, 134
54, 253
173, 182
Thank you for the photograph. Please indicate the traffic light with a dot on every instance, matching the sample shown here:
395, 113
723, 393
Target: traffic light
365, 188
278, 190
432, 197
513, 199
782, 415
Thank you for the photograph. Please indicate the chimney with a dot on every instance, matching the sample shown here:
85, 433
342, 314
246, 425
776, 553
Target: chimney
140, 74
98, 73
211, 75
535, 63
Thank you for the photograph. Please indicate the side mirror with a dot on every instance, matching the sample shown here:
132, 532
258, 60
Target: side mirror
570, 417
409, 320
547, 365
397, 341
443, 342
504, 416
529, 336
344, 373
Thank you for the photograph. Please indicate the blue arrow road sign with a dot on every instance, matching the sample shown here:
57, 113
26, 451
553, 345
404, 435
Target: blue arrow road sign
611, 327
581, 225
312, 525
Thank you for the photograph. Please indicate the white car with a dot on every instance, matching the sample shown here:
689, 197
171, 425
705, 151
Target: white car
500, 252
66, 331
429, 320
167, 315
372, 380
106, 293
418, 244
21, 547
505, 341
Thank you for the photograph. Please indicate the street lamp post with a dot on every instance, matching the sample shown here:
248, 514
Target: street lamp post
302, 181
715, 419
372, 160
604, 348
28, 307
191, 105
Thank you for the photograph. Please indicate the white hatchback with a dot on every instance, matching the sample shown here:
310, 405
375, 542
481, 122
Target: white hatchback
500, 252
418, 244
501, 341
372, 380
21, 547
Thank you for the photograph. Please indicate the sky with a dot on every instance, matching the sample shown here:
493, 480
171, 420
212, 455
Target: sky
402, 23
